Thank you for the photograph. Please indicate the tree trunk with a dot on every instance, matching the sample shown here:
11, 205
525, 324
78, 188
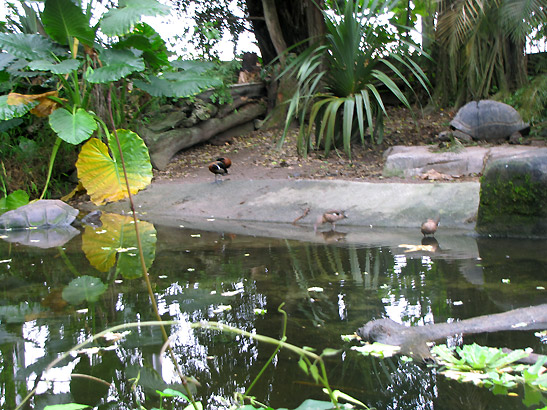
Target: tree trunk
515, 64
297, 21
272, 22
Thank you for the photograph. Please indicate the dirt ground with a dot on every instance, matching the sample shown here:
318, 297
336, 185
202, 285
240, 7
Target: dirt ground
255, 156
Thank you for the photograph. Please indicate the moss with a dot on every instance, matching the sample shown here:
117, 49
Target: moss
511, 200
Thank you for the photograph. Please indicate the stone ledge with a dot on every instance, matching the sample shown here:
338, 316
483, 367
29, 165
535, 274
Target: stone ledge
411, 161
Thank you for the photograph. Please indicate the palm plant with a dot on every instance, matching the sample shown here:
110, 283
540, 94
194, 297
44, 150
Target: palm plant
484, 40
340, 81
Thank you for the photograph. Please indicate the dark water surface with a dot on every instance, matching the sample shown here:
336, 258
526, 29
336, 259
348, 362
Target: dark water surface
329, 288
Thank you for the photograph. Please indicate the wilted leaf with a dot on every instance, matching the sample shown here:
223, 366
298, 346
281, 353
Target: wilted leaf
83, 288
45, 105
117, 238
9, 111
102, 175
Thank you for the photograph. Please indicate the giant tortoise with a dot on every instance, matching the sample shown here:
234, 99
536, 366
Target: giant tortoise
488, 120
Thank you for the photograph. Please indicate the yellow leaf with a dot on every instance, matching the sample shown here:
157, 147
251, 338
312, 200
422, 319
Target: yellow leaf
102, 175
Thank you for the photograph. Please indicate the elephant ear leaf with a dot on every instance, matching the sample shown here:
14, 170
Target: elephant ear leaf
102, 174
72, 127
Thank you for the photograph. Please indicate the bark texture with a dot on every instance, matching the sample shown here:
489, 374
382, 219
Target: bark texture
412, 340
175, 127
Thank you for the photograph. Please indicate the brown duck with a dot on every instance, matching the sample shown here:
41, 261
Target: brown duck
331, 217
430, 226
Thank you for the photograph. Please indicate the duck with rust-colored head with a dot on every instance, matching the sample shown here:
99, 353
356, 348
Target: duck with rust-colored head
218, 168
430, 226
331, 217
225, 161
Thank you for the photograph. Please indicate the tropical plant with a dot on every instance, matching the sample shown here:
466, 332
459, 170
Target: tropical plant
483, 44
531, 102
340, 82
82, 62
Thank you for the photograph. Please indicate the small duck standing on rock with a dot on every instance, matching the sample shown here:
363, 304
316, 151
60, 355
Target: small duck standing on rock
331, 217
430, 226
220, 167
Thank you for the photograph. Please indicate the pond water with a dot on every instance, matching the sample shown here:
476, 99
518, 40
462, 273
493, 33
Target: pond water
52, 299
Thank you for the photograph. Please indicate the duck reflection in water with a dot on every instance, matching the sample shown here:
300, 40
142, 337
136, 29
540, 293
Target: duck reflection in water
333, 236
430, 242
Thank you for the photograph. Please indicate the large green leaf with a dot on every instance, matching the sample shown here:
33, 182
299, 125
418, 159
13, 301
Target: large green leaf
117, 65
63, 67
117, 238
145, 38
63, 20
195, 66
120, 21
13, 201
5, 60
179, 85
102, 175
29, 46
83, 288
72, 127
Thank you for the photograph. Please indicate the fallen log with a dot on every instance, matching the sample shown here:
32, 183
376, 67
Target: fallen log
180, 124
413, 340
163, 145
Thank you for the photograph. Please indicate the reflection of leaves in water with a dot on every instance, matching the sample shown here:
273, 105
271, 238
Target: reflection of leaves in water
19, 313
196, 300
84, 288
117, 237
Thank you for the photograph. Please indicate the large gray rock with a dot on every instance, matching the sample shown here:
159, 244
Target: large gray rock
411, 161
513, 199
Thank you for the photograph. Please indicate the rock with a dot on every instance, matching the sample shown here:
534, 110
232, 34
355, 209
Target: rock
411, 161
513, 200
40, 214
408, 162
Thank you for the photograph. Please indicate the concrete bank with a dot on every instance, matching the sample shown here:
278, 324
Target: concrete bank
374, 205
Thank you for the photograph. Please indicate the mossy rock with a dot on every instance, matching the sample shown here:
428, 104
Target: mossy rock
513, 197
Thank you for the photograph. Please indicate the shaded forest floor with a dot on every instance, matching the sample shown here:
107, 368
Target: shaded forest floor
255, 156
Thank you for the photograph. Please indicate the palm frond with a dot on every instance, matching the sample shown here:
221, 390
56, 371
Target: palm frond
519, 17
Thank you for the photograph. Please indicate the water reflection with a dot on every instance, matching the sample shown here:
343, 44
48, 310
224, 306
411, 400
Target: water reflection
329, 288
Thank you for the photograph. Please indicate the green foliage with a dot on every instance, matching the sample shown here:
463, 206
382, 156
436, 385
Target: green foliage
118, 21
69, 406
492, 368
361, 62
72, 127
84, 288
13, 200
481, 45
531, 102
64, 20
475, 357
81, 74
